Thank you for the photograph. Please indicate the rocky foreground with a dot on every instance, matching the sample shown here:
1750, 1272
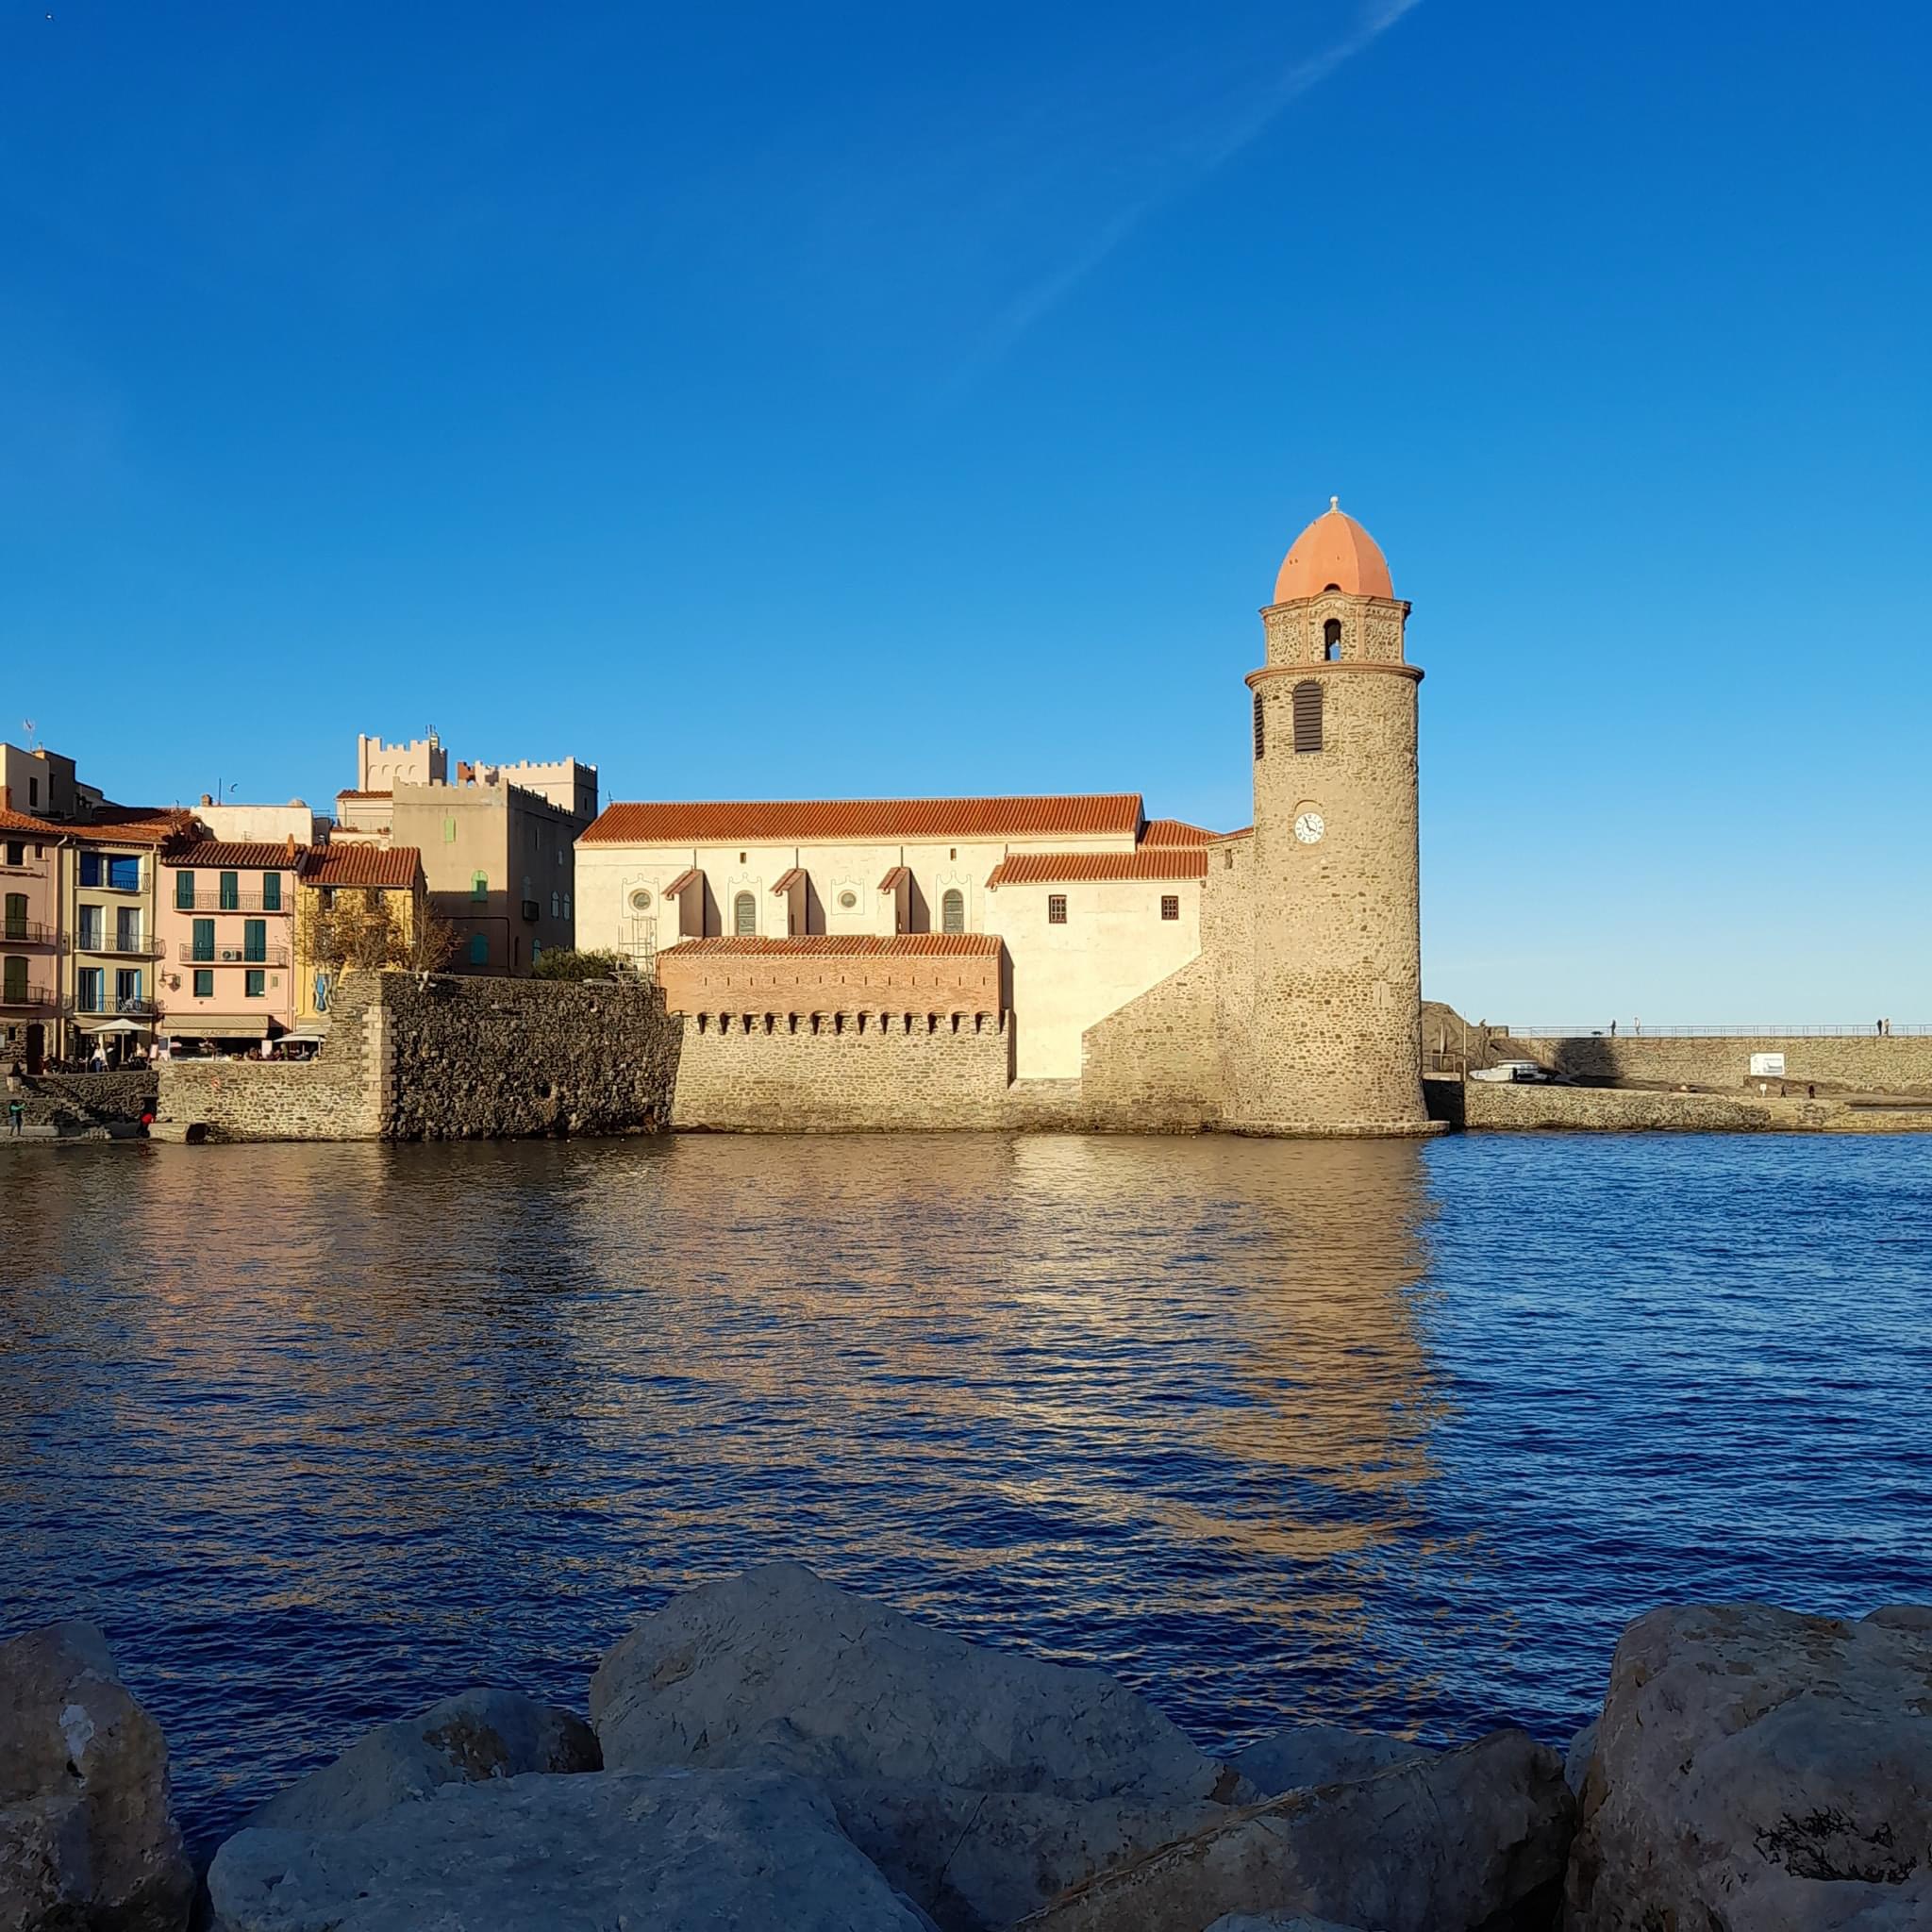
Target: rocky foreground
773, 1752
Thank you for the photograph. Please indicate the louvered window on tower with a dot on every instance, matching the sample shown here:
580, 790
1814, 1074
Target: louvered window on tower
1261, 727
1308, 716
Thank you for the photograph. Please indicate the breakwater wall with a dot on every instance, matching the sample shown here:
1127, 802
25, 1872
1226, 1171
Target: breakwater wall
413, 1056
1866, 1063
1485, 1107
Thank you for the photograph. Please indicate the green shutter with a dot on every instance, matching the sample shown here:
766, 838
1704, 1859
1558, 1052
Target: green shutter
204, 983
255, 938
255, 983
184, 892
231, 891
204, 938
271, 892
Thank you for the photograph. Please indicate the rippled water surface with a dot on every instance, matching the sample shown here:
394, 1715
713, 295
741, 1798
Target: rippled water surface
1400, 1434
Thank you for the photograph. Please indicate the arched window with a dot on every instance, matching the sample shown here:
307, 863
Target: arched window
953, 912
745, 915
1308, 715
1260, 729
1331, 640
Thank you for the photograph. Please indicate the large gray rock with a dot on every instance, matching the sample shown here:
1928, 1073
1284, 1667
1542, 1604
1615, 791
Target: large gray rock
977, 1860
1305, 1754
777, 1665
1902, 1617
88, 1838
1578, 1756
609, 1852
1275, 1921
465, 1738
1449, 1843
1762, 1772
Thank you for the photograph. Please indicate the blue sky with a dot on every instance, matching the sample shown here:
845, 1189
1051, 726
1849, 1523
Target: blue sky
872, 398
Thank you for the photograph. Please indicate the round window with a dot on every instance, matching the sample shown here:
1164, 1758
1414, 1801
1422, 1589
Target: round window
640, 901
847, 901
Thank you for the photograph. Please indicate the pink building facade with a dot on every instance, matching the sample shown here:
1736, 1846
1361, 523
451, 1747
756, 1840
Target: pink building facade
225, 915
30, 938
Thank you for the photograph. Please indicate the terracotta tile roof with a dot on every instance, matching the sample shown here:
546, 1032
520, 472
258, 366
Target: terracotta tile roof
215, 855
1051, 868
684, 881
1245, 832
790, 820
788, 880
349, 792
22, 822
135, 825
852, 945
1174, 832
895, 874
387, 866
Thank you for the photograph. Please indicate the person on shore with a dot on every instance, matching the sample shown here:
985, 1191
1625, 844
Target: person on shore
1613, 1029
16, 1115
98, 1060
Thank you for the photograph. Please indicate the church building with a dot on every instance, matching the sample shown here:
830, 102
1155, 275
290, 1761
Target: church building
1139, 972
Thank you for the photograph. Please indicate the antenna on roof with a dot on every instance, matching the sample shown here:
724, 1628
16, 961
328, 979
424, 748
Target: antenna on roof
27, 731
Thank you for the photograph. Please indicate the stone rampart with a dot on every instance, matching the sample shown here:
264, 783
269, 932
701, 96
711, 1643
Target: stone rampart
1492, 1107
410, 1058
1897, 1064
709, 977
1153, 1064
844, 1072
499, 1058
75, 1102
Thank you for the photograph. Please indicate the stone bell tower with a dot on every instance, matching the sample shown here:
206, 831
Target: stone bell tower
1332, 1038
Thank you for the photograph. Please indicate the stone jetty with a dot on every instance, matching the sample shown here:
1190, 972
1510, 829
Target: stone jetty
776, 1752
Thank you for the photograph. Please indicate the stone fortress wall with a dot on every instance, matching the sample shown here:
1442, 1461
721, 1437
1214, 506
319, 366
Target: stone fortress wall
434, 1057
1864, 1062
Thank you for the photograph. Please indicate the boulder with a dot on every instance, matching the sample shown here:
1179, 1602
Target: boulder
1902, 1616
1582, 1748
1447, 1843
1761, 1771
977, 1860
1275, 1921
466, 1739
1304, 1755
777, 1665
88, 1838
607, 1852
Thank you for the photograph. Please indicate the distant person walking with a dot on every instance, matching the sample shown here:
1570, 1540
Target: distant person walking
16, 1113
1613, 1029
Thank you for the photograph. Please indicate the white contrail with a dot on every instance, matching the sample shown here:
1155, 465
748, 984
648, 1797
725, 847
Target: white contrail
1020, 314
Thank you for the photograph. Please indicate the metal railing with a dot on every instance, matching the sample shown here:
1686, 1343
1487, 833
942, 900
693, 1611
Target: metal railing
1623, 1030
30, 998
28, 932
122, 946
234, 902
188, 954
107, 1007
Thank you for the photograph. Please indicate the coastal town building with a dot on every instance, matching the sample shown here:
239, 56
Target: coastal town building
1151, 971
498, 843
389, 877
225, 920
30, 936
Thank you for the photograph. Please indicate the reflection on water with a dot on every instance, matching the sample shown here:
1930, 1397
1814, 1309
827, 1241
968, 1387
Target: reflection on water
1394, 1433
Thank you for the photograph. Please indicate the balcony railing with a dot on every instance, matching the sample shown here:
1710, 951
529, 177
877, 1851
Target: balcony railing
188, 954
121, 945
26, 932
106, 1005
28, 998
234, 902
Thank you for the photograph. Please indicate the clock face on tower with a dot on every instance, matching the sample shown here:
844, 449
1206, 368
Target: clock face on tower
1308, 827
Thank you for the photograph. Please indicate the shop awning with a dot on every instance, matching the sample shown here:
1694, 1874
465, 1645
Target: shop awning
216, 1026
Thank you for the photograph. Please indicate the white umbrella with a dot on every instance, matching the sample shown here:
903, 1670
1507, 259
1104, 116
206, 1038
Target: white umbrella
120, 1026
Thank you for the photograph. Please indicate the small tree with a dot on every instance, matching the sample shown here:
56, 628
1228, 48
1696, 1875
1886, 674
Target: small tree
562, 962
357, 929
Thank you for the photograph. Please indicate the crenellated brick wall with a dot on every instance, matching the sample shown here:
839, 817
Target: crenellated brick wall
920, 974
850, 1071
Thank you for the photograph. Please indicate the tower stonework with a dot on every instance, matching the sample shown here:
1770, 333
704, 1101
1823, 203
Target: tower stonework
1328, 1040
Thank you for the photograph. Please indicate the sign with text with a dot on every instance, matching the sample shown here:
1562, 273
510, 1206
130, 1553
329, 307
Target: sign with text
1767, 1066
